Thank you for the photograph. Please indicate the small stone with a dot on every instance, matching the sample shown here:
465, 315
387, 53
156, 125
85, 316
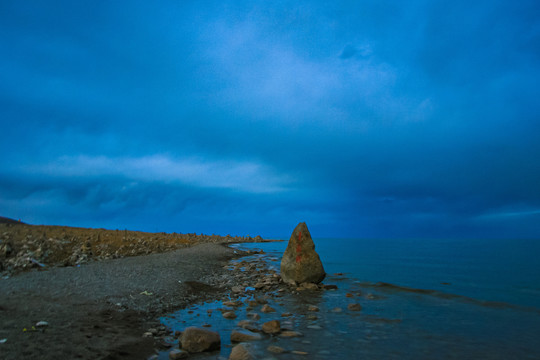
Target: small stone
354, 307
312, 317
271, 327
313, 308
147, 335
309, 286
242, 352
178, 354
267, 309
314, 327
330, 287
349, 295
237, 289
195, 340
261, 300
296, 352
229, 315
275, 349
254, 316
244, 335
248, 325
286, 314
290, 333
337, 310
42, 324
232, 303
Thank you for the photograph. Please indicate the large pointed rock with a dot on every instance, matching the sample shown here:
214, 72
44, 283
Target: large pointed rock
300, 262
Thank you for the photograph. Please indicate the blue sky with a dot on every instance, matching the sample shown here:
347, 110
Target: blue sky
375, 119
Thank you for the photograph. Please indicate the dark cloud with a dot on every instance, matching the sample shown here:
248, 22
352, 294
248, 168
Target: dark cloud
242, 119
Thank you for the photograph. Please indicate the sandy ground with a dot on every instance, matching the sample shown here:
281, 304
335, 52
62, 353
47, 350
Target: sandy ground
101, 309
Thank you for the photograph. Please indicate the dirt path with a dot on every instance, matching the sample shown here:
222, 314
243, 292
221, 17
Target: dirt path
101, 309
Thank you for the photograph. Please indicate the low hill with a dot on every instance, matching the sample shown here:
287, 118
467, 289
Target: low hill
5, 220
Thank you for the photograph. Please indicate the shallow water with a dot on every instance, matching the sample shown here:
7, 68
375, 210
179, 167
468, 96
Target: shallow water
417, 302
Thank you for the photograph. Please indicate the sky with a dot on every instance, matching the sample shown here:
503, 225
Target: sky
365, 119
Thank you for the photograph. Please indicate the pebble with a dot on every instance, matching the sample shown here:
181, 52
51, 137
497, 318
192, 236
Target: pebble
229, 315
354, 307
271, 327
248, 325
330, 287
237, 289
313, 308
275, 349
337, 310
42, 324
290, 333
309, 286
296, 352
267, 309
241, 352
254, 316
244, 335
314, 327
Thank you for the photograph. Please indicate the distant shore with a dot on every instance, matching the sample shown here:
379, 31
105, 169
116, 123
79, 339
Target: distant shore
24, 247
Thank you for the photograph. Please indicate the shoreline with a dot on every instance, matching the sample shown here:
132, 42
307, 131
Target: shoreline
100, 309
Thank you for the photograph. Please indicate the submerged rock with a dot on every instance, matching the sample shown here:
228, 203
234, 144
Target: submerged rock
271, 327
300, 262
178, 354
244, 335
242, 352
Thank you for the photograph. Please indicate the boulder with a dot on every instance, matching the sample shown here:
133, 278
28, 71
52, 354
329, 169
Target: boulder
300, 262
196, 340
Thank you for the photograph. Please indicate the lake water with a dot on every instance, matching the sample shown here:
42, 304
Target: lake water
444, 299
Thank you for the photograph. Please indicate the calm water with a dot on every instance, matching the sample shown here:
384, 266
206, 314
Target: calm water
494, 270
420, 300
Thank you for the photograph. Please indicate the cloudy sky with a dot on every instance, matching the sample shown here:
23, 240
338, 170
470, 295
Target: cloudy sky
372, 119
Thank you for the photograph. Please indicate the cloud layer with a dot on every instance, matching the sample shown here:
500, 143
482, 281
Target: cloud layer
373, 119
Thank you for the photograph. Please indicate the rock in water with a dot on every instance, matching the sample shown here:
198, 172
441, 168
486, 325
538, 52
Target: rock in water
195, 340
300, 262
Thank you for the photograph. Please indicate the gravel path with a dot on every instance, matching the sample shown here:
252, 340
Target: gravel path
100, 310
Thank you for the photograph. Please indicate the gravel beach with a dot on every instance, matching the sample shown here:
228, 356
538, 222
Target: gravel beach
99, 310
